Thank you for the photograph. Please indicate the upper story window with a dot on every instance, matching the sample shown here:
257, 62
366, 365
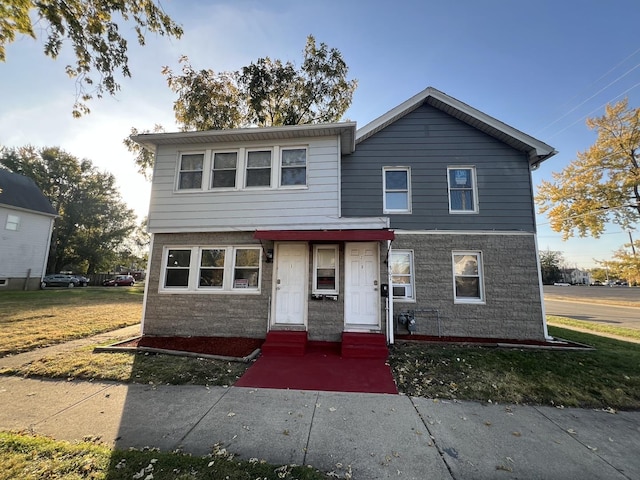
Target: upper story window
396, 185
462, 190
402, 281
223, 173
293, 168
258, 173
13, 222
468, 281
190, 174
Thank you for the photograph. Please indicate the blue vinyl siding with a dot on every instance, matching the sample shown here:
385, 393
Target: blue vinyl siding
429, 141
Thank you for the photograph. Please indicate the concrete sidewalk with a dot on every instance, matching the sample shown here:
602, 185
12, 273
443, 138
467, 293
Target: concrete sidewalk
378, 436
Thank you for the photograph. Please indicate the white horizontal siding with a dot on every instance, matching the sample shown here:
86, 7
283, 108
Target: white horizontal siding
27, 247
217, 210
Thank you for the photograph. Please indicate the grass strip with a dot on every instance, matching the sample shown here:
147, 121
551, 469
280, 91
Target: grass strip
593, 327
35, 457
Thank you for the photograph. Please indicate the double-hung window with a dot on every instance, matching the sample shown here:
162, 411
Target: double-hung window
13, 221
246, 268
223, 173
177, 268
212, 269
402, 281
190, 174
258, 171
468, 281
325, 269
396, 185
463, 196
293, 167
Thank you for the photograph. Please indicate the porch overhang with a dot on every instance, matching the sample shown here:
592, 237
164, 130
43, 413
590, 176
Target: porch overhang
326, 235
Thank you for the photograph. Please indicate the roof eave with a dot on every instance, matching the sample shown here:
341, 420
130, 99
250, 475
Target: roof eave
346, 131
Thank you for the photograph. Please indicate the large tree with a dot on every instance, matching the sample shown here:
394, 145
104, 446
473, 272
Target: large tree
550, 264
602, 184
92, 29
265, 93
93, 218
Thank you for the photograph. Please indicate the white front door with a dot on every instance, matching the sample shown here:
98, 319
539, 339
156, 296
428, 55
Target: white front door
291, 283
362, 292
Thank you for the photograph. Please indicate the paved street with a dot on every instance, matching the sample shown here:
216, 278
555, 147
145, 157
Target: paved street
583, 303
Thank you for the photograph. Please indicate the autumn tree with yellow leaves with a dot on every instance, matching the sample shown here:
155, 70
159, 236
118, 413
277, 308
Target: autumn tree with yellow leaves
602, 185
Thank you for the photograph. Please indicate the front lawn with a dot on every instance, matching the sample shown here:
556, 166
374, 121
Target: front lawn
607, 377
34, 319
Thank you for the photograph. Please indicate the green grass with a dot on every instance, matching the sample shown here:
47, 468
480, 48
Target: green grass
593, 327
34, 319
607, 377
35, 457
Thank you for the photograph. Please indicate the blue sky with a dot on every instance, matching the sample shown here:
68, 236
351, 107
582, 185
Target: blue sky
542, 67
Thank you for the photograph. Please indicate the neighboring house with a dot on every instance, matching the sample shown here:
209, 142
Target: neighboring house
575, 276
308, 228
26, 223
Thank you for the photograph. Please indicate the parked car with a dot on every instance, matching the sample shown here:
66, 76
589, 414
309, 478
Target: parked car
84, 281
119, 280
59, 280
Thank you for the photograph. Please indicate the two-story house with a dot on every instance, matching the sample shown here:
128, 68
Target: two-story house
26, 224
325, 231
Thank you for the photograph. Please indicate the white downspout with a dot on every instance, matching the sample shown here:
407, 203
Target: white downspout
390, 335
146, 284
544, 310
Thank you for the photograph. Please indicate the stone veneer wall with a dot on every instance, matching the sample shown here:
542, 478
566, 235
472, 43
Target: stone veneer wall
204, 314
513, 305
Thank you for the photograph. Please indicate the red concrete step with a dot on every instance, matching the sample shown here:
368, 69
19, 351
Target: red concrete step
364, 345
284, 343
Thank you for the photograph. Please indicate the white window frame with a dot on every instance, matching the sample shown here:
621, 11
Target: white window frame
13, 222
281, 168
203, 172
193, 286
238, 176
412, 278
165, 268
336, 250
246, 168
480, 276
474, 189
385, 209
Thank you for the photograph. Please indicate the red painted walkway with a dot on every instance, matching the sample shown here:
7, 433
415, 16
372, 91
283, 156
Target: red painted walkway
320, 369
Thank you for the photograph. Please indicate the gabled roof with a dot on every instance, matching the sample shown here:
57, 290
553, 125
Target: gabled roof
22, 192
345, 130
537, 151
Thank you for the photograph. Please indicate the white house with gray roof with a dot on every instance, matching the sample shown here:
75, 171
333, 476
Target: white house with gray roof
26, 224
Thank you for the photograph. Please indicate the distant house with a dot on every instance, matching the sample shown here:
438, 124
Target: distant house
420, 222
26, 224
575, 276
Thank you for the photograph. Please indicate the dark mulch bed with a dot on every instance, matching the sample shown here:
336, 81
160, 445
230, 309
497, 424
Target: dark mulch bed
223, 346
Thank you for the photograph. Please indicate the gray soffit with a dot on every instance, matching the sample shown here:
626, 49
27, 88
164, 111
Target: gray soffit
537, 150
345, 130
22, 193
